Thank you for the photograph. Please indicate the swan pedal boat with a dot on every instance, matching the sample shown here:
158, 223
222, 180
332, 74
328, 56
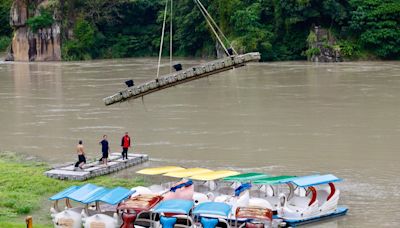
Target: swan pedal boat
320, 201
88, 194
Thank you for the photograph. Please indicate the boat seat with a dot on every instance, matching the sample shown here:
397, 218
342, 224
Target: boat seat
183, 221
273, 200
298, 201
209, 222
322, 196
168, 222
147, 218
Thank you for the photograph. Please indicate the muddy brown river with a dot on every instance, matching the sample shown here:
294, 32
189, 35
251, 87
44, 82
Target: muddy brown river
279, 118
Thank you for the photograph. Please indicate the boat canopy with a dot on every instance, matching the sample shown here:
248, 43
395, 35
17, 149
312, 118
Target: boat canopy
214, 175
314, 180
187, 172
213, 208
274, 180
65, 193
116, 195
246, 177
85, 192
178, 206
90, 193
159, 170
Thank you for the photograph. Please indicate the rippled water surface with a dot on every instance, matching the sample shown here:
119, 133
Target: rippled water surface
278, 118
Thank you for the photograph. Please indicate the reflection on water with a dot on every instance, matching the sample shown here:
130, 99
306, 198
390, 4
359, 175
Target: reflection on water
278, 118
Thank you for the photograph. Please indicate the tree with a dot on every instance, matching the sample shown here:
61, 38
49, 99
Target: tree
376, 23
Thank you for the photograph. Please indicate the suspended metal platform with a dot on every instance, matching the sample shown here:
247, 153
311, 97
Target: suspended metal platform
182, 76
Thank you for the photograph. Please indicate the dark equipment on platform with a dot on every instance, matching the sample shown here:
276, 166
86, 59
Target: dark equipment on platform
178, 67
230, 51
130, 83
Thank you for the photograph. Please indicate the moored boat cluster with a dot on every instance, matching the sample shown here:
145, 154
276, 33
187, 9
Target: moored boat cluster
174, 78
203, 198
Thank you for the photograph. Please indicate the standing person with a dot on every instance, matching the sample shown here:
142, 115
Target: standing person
105, 149
125, 143
81, 155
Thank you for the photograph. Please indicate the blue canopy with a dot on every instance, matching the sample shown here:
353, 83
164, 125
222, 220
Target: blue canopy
94, 195
64, 194
90, 193
213, 208
116, 195
314, 180
174, 206
85, 193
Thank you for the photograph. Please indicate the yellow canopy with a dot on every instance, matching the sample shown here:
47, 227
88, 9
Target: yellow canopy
159, 170
214, 175
187, 172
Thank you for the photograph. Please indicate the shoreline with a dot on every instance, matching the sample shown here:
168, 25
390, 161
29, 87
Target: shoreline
26, 189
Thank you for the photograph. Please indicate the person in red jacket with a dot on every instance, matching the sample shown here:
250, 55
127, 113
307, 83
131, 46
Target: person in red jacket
125, 143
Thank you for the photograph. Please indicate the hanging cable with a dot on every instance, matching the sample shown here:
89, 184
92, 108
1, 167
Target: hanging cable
216, 26
162, 38
212, 28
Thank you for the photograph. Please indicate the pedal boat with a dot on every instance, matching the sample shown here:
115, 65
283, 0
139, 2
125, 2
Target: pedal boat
240, 198
170, 172
269, 190
137, 210
83, 195
212, 214
320, 201
174, 212
106, 215
205, 180
254, 217
207, 185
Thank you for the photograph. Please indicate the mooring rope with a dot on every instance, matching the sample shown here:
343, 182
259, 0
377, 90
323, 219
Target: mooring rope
216, 26
212, 27
162, 38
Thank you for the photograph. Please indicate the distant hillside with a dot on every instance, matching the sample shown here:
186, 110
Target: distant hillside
279, 29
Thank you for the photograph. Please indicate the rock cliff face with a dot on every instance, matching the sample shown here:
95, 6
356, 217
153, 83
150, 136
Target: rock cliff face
43, 45
326, 44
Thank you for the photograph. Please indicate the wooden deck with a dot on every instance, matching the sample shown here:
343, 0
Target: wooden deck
94, 169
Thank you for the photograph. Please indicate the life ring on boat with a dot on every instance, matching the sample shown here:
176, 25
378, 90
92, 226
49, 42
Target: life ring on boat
314, 195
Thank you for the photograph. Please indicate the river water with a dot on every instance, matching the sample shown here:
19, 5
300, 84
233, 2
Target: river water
279, 118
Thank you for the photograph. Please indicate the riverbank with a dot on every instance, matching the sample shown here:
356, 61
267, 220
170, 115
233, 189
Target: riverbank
24, 190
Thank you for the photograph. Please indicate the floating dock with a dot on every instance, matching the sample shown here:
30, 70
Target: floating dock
94, 169
183, 76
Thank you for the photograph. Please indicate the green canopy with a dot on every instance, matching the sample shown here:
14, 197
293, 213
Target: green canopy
274, 180
246, 177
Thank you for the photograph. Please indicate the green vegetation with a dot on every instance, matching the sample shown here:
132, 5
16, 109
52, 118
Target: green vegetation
5, 29
24, 190
277, 28
4, 42
45, 19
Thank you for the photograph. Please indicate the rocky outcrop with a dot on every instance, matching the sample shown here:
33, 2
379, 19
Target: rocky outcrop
322, 46
41, 45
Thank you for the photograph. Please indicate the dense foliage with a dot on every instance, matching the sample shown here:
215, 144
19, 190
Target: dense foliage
277, 28
43, 20
5, 29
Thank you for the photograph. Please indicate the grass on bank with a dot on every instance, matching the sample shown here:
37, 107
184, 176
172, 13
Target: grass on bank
24, 190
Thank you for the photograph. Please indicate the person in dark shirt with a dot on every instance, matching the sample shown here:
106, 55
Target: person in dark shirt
105, 149
125, 143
